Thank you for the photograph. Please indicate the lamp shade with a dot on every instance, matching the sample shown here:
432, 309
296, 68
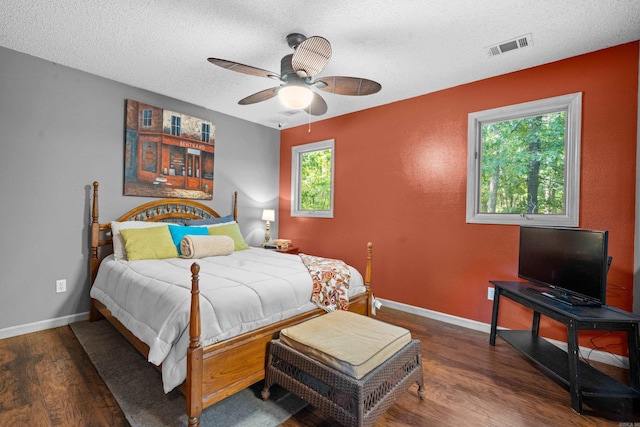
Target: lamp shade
268, 215
295, 96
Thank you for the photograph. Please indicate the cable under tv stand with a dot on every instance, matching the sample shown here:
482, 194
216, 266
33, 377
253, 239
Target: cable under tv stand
582, 379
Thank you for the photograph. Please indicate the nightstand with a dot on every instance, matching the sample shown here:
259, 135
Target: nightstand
290, 250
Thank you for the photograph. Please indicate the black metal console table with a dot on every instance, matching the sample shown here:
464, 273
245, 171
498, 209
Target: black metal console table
583, 380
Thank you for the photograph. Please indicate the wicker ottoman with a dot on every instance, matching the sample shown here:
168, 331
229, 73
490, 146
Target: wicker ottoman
349, 366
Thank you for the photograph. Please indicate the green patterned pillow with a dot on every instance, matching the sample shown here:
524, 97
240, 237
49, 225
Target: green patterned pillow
232, 230
149, 243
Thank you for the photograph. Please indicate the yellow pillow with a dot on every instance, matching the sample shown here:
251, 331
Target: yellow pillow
149, 243
232, 230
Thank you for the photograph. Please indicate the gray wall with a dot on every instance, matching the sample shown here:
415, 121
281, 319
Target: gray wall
61, 129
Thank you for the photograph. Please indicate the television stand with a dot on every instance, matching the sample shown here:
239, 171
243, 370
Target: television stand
582, 379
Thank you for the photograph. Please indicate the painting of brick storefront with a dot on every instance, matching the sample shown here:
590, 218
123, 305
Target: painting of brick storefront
167, 154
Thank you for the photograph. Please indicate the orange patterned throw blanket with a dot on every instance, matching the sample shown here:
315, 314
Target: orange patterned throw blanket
330, 282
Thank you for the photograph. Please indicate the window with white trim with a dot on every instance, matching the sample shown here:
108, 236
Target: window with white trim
176, 125
205, 132
146, 118
312, 167
524, 163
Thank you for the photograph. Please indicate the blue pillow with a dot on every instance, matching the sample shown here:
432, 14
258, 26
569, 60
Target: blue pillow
177, 233
209, 221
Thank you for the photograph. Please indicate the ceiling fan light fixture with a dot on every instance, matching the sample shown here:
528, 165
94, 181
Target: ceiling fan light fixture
297, 71
295, 96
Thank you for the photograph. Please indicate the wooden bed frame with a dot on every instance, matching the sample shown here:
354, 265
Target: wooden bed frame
218, 370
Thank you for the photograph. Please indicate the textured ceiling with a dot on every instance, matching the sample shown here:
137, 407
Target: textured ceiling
411, 47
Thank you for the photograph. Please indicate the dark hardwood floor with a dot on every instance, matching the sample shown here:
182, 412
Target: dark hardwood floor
46, 379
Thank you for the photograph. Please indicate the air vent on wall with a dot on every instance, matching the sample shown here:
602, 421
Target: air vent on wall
509, 45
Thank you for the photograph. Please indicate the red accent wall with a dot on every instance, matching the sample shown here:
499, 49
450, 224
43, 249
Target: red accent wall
400, 182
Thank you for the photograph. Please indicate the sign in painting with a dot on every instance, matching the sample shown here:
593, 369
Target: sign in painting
167, 154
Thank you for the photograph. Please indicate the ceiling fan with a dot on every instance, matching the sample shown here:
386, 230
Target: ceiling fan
296, 73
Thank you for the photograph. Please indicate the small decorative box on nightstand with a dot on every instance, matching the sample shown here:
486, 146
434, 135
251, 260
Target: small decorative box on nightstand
285, 246
282, 244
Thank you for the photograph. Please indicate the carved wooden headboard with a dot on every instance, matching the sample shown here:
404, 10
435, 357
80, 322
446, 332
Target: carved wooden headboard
161, 210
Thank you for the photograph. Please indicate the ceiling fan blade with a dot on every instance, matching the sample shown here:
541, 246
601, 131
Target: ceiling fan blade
318, 106
241, 68
354, 86
263, 95
311, 56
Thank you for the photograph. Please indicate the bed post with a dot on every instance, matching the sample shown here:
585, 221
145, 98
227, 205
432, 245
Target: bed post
194, 354
367, 280
235, 206
94, 261
95, 232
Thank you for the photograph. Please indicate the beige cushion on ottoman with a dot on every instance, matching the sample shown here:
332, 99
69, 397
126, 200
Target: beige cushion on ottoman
350, 343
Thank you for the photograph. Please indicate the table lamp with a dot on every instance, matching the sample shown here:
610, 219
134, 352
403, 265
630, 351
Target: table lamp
268, 215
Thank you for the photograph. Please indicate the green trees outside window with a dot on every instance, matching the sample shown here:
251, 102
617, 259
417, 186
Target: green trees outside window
315, 176
524, 163
312, 168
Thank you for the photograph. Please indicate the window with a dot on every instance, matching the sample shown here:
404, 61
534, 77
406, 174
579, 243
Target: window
524, 163
146, 118
149, 156
177, 157
206, 132
176, 122
312, 179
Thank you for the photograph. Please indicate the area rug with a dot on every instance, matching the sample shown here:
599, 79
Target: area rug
137, 387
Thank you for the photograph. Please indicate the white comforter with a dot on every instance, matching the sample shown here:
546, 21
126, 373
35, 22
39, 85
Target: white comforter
240, 292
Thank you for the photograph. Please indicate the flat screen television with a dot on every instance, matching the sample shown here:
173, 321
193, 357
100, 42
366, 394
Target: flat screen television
573, 263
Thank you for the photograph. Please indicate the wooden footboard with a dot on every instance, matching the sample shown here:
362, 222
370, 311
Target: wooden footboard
222, 369
219, 370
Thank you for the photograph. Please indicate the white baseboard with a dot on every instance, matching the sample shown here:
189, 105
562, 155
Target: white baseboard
42, 325
587, 353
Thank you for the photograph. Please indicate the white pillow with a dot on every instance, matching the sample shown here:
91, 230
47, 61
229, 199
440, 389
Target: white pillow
119, 251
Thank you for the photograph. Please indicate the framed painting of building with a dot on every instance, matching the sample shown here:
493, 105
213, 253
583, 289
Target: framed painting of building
167, 154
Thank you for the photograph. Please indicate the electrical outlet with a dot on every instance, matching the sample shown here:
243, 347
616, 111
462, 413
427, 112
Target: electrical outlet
490, 292
61, 285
